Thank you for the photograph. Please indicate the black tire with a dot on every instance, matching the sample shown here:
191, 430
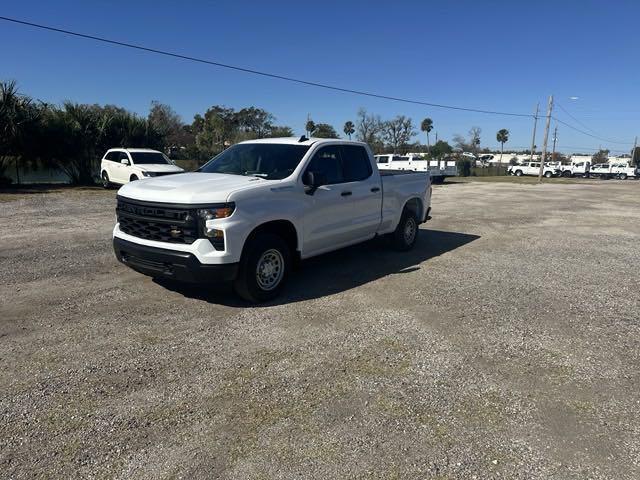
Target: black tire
548, 174
271, 253
518, 173
133, 178
405, 235
106, 183
567, 174
622, 176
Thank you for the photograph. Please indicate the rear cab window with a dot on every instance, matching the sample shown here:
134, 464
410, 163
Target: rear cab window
341, 164
356, 165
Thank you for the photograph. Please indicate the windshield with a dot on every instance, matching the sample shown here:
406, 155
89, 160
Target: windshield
271, 161
142, 158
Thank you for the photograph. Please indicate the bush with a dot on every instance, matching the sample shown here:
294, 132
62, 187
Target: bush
464, 167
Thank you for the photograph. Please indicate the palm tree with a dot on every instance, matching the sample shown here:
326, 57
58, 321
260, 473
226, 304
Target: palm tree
502, 136
349, 128
426, 126
18, 116
310, 127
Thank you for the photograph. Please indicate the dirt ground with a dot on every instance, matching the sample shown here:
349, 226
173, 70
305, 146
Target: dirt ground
506, 345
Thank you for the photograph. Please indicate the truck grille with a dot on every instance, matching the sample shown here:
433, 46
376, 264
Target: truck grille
154, 221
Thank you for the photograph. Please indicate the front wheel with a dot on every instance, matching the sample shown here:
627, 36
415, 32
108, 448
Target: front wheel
567, 174
406, 233
518, 173
106, 183
264, 268
622, 176
548, 174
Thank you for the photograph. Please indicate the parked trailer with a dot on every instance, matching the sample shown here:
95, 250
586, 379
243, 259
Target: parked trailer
438, 169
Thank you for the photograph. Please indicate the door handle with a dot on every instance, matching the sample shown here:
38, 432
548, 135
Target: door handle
375, 189
345, 194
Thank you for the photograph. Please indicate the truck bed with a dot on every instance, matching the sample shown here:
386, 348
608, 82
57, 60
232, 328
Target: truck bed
389, 173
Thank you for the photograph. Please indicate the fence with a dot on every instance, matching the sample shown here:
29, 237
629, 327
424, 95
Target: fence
491, 171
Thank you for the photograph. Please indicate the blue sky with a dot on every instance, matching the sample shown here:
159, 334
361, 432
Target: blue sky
496, 55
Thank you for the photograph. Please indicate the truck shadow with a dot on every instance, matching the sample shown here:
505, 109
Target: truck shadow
340, 270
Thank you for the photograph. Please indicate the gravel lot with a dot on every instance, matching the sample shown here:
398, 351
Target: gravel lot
506, 345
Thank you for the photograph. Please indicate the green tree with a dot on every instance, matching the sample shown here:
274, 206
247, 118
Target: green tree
426, 126
19, 117
502, 136
324, 130
279, 131
168, 124
349, 128
440, 148
310, 127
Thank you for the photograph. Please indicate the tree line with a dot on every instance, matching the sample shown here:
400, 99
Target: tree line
72, 137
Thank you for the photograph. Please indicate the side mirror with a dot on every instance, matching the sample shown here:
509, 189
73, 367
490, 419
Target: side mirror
313, 180
124, 161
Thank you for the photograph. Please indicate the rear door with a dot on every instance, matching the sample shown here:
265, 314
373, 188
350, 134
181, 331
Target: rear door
362, 183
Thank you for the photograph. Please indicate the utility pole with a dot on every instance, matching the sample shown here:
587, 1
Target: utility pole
535, 123
633, 153
555, 137
546, 137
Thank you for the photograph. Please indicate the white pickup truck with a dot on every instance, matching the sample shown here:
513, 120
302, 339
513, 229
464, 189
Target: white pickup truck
531, 168
248, 213
621, 171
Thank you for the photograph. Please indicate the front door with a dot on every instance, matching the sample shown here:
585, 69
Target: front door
329, 211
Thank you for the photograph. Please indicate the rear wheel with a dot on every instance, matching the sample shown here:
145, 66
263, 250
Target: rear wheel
106, 183
264, 268
622, 176
567, 174
406, 233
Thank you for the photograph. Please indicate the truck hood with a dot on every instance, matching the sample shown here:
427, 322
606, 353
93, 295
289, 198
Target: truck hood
187, 188
159, 167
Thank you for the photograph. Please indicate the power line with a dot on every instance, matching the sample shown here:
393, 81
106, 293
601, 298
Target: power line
258, 72
594, 134
590, 135
578, 121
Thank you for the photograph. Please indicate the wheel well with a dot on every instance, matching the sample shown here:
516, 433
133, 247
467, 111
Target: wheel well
282, 228
133, 175
414, 205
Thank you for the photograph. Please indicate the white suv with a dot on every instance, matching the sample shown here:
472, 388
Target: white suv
124, 165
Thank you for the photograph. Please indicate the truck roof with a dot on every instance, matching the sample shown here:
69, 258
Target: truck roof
306, 141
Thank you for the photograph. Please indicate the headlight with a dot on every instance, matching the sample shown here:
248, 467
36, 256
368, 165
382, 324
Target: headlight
216, 236
223, 211
148, 174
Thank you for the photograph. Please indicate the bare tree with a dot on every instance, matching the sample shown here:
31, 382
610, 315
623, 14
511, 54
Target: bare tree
398, 132
474, 137
368, 127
